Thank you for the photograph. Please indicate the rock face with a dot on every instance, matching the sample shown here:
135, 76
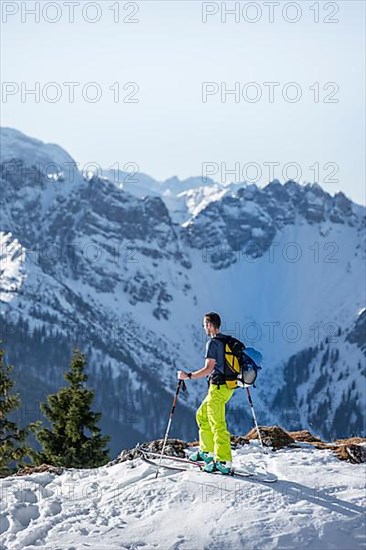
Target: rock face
250, 220
116, 272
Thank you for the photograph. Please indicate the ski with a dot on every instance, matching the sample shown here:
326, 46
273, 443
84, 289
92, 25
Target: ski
177, 458
145, 458
266, 477
183, 461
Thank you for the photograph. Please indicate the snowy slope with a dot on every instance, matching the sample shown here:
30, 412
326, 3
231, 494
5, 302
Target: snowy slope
11, 261
49, 156
317, 502
127, 277
324, 384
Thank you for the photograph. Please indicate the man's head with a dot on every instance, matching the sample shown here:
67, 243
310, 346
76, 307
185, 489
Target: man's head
211, 323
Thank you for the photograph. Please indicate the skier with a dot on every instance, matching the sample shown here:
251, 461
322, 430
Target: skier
214, 437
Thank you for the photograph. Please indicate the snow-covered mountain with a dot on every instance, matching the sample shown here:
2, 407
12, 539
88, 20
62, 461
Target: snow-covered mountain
317, 502
127, 275
183, 198
324, 385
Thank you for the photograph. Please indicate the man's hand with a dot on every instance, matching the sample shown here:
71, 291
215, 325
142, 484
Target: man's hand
182, 375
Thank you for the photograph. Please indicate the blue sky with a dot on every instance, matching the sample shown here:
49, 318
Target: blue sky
169, 52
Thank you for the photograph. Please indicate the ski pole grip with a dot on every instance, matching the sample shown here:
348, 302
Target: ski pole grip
181, 383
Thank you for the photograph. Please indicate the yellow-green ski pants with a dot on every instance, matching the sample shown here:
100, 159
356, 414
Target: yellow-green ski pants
213, 433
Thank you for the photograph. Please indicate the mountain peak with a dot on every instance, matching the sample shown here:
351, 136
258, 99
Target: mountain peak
49, 158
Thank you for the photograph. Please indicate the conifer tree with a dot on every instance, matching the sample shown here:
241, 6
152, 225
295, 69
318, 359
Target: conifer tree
12, 439
74, 439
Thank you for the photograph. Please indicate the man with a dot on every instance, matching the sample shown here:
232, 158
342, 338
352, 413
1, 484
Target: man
214, 438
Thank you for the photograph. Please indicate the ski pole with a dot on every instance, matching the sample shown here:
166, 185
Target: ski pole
254, 417
180, 383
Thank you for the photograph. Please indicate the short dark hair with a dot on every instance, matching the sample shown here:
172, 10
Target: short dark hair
213, 318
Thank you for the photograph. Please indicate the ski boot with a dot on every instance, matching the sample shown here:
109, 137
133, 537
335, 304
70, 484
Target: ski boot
201, 456
218, 466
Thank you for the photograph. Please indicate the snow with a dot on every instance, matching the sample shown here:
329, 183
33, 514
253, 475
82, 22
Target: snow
11, 263
49, 156
316, 503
